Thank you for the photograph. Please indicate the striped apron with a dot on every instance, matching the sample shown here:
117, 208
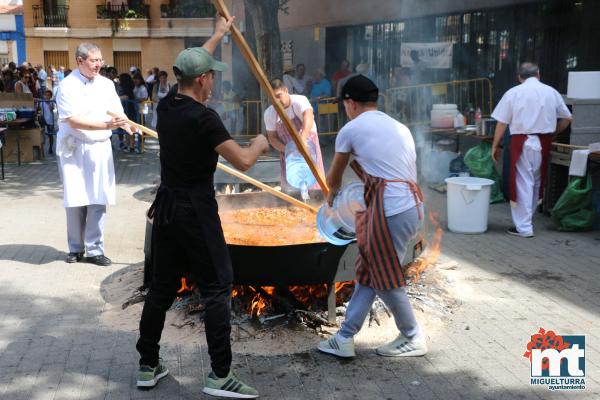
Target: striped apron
377, 264
285, 138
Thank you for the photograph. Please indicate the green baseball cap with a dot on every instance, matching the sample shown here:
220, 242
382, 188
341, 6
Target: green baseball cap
195, 61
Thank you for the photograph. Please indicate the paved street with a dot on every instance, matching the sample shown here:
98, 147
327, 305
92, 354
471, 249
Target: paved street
54, 343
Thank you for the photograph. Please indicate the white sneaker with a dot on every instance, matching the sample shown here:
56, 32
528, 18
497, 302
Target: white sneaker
404, 347
338, 347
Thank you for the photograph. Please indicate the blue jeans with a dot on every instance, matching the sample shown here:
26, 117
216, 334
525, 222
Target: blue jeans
403, 227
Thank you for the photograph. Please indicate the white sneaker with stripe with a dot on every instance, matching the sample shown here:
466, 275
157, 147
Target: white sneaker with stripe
338, 346
404, 347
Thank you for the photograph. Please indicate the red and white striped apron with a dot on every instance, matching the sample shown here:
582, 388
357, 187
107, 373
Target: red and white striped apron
377, 264
285, 138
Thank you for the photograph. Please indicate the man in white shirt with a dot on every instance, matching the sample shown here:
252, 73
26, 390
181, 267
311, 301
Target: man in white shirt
300, 112
531, 109
288, 77
302, 82
385, 160
85, 153
42, 78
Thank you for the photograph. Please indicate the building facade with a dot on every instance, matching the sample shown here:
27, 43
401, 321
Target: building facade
489, 38
12, 35
137, 33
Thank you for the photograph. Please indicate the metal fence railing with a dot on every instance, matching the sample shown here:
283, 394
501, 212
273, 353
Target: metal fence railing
412, 104
122, 11
56, 18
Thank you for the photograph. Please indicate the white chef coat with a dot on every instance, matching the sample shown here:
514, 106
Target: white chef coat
531, 108
85, 156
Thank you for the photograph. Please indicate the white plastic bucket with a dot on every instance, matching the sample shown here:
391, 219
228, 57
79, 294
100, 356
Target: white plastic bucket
468, 204
337, 224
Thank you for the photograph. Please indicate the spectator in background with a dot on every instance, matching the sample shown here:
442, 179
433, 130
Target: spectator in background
401, 98
140, 94
22, 85
34, 83
321, 87
288, 77
302, 83
133, 70
140, 90
54, 79
48, 121
159, 91
9, 80
231, 107
343, 72
67, 72
150, 79
42, 78
127, 97
113, 75
61, 73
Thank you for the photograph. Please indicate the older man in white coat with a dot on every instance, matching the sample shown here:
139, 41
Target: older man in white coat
85, 153
532, 110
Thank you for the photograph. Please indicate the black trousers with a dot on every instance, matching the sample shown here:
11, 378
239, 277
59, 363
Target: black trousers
181, 247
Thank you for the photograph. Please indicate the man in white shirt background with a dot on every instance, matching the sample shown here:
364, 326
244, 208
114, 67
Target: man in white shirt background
43, 79
300, 112
531, 109
302, 82
85, 153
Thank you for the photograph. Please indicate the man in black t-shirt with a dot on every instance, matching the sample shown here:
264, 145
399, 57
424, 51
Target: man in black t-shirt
187, 235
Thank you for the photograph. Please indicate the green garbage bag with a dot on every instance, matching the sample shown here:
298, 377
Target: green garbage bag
480, 163
573, 210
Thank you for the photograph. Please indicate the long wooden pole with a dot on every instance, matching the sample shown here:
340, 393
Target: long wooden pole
570, 146
266, 188
236, 173
264, 83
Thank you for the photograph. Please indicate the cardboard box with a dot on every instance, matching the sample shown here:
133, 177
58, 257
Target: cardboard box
31, 145
31, 139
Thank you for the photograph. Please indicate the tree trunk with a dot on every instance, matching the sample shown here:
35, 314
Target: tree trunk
262, 33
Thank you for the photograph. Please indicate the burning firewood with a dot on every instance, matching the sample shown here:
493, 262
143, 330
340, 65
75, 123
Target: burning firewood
312, 319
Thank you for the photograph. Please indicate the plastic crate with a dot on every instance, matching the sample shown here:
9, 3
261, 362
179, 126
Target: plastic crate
594, 170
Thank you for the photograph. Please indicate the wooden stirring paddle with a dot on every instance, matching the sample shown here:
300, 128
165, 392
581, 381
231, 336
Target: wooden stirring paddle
235, 173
